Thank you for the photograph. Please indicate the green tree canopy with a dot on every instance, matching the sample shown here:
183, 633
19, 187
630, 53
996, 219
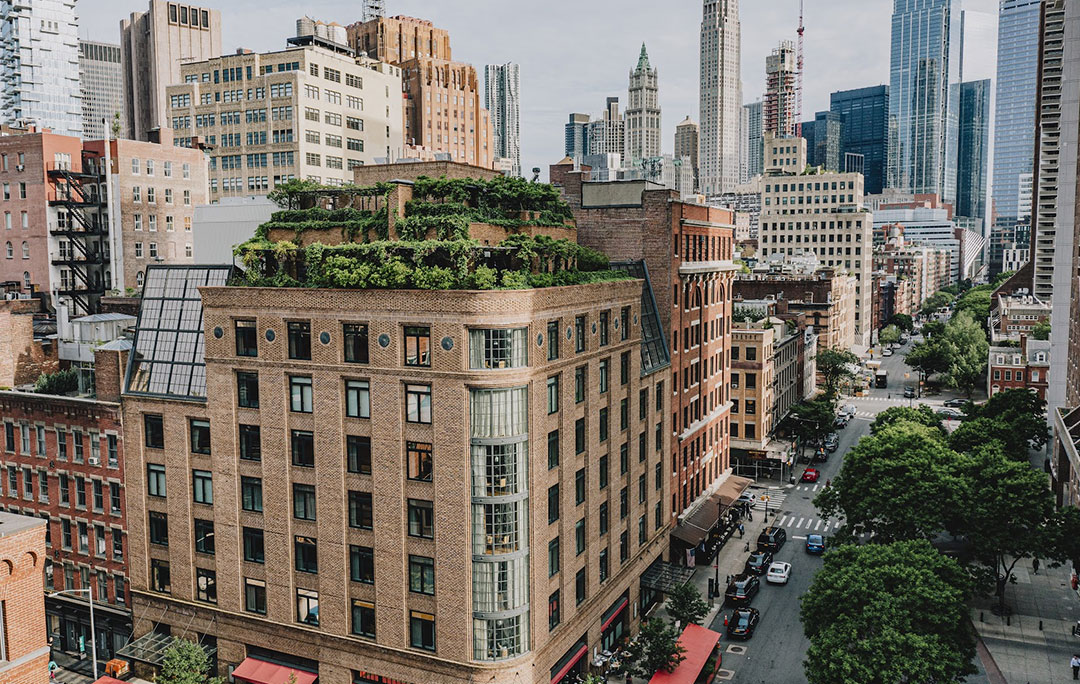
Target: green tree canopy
657, 648
976, 302
901, 483
903, 321
969, 349
888, 613
933, 328
890, 334
921, 415
936, 301
1014, 418
685, 604
812, 420
1041, 330
835, 365
930, 356
186, 662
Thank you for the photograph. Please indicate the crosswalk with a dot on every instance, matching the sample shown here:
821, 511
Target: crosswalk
776, 497
810, 487
806, 524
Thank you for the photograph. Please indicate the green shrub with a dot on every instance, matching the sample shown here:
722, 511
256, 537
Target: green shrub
60, 382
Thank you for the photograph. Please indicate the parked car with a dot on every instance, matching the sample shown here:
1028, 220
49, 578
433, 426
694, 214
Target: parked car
810, 475
742, 589
849, 410
742, 623
840, 422
779, 573
815, 544
904, 339
758, 562
909, 392
887, 352
832, 442
820, 456
771, 539
956, 403
949, 413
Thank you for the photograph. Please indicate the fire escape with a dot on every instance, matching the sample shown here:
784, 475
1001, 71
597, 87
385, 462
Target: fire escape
81, 232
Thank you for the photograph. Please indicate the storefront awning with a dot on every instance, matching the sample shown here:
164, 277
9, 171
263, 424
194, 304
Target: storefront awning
699, 644
696, 526
255, 671
664, 577
570, 662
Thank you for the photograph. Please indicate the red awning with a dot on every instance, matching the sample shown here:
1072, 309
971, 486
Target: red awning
699, 644
255, 671
570, 663
619, 608
109, 680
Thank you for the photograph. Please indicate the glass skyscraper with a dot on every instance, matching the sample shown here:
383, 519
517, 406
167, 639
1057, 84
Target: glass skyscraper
1014, 126
864, 130
39, 65
924, 85
973, 150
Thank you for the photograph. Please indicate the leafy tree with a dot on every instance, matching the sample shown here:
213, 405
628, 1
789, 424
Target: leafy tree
901, 483
936, 301
685, 604
657, 648
60, 382
1015, 418
976, 302
933, 328
1041, 330
835, 365
890, 334
888, 613
812, 420
1000, 278
922, 415
903, 321
967, 340
186, 663
930, 356
1064, 536
287, 195
1007, 516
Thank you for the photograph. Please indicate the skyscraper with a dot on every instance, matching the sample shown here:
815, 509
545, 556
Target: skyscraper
824, 140
101, 82
752, 143
780, 75
973, 150
686, 144
924, 97
577, 136
720, 96
864, 116
153, 44
607, 135
978, 45
503, 100
39, 66
643, 111
1014, 118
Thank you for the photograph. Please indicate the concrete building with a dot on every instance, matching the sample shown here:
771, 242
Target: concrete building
664, 171
924, 97
919, 269
443, 109
502, 97
686, 145
1012, 316
688, 251
101, 83
973, 155
927, 222
25, 646
577, 136
350, 567
154, 44
745, 199
824, 141
825, 300
781, 71
607, 135
39, 56
820, 213
751, 141
864, 116
720, 90
643, 111
217, 228
310, 111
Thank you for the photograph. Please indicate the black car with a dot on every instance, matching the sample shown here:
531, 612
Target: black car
820, 456
742, 623
771, 539
742, 589
909, 392
956, 403
758, 562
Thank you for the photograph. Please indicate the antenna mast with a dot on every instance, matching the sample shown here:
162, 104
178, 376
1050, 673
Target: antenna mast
799, 77
374, 9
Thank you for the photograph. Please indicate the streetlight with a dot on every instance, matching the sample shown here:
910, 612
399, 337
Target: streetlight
93, 640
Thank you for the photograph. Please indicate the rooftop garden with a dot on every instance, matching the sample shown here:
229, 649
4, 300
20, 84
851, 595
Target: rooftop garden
434, 249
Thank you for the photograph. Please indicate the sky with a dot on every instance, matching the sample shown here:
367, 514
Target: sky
574, 54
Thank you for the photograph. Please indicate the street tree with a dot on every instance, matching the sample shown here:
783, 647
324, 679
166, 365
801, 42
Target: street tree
890, 334
933, 328
922, 415
1015, 418
1007, 517
888, 613
835, 365
1064, 534
936, 301
903, 321
657, 649
976, 302
966, 340
186, 662
685, 604
930, 356
901, 483
812, 420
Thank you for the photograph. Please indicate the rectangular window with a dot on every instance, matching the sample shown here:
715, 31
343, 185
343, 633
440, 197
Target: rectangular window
553, 503
153, 431
358, 451
603, 467
251, 494
363, 618
255, 596
306, 552
603, 380
418, 403
553, 449
579, 537
99, 494
356, 343
417, 346
604, 520
202, 485
361, 510
159, 528
247, 389
579, 334
553, 340
605, 317
422, 575
554, 610
362, 564
579, 487
200, 436
357, 399
603, 565
300, 393
579, 436
80, 491
204, 536
160, 579
498, 348
114, 498
624, 503
254, 546
250, 443
624, 414
553, 557
422, 630
303, 502
307, 607
579, 384
579, 587
603, 424
553, 394
419, 460
155, 480
300, 340
624, 323
303, 448
624, 368
421, 519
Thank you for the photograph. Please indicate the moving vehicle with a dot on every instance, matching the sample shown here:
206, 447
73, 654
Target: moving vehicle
758, 562
832, 442
849, 411
810, 475
779, 573
887, 352
771, 539
956, 403
881, 378
815, 544
909, 392
949, 413
745, 498
742, 623
742, 589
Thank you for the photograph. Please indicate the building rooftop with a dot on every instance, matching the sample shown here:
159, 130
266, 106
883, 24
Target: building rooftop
11, 523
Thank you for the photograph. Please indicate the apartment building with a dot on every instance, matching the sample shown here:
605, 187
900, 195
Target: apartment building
1012, 316
26, 649
819, 213
924, 269
1023, 367
826, 298
310, 111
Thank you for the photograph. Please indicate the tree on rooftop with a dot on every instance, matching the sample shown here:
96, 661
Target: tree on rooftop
1041, 330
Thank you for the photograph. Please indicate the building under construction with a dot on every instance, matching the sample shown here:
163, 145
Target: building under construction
781, 71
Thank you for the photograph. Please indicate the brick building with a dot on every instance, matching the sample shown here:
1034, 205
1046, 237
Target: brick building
1023, 367
26, 348
826, 299
24, 648
688, 251
1012, 316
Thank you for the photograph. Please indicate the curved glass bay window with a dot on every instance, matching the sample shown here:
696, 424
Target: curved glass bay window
499, 430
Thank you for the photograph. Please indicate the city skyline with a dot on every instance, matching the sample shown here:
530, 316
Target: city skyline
557, 84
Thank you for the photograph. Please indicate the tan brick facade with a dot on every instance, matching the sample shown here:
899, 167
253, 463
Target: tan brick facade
25, 657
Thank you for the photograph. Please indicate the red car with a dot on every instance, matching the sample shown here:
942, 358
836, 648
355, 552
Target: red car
810, 475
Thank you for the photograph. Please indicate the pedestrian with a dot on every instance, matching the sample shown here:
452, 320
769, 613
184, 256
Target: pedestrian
742, 530
827, 483
1075, 662
1035, 565
749, 514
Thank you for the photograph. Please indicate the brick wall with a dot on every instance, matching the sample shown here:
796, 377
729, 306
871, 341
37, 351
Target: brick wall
22, 555
22, 358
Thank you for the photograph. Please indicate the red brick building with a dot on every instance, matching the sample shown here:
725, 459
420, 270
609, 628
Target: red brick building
24, 648
1023, 367
688, 251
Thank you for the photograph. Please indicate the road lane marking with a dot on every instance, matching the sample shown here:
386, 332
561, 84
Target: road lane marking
797, 537
801, 520
815, 488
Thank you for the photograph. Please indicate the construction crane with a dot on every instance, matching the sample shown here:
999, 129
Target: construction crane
799, 77
373, 9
